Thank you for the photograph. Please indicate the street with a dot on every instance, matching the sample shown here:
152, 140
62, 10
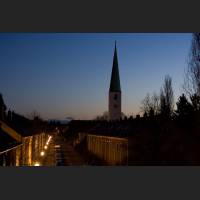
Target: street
60, 153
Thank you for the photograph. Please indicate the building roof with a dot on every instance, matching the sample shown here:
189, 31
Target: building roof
7, 129
6, 141
115, 79
21, 125
112, 130
102, 128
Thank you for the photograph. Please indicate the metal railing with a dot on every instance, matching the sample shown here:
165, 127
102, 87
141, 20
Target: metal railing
26, 153
8, 156
10, 149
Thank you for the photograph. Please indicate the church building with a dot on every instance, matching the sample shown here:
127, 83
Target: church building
105, 142
115, 91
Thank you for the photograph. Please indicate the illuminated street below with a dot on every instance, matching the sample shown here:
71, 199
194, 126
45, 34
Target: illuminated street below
60, 153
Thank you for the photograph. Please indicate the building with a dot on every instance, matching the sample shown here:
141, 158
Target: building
115, 91
20, 143
106, 140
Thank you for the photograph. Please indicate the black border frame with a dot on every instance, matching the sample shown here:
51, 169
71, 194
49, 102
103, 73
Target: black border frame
99, 16
99, 182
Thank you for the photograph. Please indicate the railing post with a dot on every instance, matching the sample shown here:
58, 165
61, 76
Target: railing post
4, 160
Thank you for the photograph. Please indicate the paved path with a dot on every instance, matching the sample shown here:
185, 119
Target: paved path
50, 159
60, 153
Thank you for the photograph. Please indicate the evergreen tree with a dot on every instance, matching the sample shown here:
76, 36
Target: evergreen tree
184, 107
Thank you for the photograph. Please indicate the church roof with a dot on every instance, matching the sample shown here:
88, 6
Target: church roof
115, 79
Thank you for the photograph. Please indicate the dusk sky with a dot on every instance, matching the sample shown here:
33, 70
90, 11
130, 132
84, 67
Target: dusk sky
68, 75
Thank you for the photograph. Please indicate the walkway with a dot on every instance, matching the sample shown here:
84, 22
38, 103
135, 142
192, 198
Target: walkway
60, 153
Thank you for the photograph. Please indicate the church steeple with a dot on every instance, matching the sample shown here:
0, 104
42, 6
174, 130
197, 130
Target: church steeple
115, 91
115, 79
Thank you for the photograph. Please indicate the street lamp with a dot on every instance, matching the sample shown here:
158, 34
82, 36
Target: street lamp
42, 153
37, 164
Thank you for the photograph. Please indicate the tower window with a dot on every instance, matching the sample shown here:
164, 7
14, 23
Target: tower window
115, 97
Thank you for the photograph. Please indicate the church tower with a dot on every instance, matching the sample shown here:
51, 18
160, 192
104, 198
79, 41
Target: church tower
115, 91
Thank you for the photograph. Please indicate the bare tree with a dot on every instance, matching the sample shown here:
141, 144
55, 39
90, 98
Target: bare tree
146, 104
2, 108
34, 115
104, 116
167, 97
155, 103
150, 104
192, 74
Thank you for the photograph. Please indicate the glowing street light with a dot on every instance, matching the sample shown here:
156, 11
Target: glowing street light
47, 143
42, 153
45, 147
37, 164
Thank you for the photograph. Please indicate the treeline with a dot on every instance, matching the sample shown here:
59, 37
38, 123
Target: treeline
169, 131
189, 102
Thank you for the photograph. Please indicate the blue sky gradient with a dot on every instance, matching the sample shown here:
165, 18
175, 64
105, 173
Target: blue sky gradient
66, 74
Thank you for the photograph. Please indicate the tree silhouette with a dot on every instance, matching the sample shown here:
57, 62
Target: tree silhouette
146, 104
155, 103
150, 104
2, 108
195, 99
145, 115
102, 117
192, 74
184, 107
167, 97
34, 115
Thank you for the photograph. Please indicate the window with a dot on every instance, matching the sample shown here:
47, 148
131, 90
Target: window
115, 97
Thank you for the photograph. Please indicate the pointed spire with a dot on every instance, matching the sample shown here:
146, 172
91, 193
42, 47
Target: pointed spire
115, 79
